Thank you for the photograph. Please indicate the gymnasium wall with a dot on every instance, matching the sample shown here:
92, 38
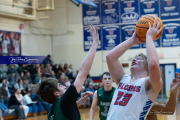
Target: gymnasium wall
68, 48
32, 44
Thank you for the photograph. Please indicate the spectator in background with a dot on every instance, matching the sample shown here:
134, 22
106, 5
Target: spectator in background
61, 80
42, 70
37, 78
25, 86
19, 97
4, 108
86, 84
53, 74
33, 72
12, 73
28, 101
101, 85
96, 87
60, 68
67, 82
75, 75
51, 64
47, 60
55, 69
19, 85
65, 68
41, 103
58, 74
70, 69
91, 89
14, 103
3, 70
3, 93
38, 68
28, 77
21, 69
48, 70
80, 95
7, 86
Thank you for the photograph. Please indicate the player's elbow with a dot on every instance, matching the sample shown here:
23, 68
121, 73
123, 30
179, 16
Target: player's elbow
109, 57
83, 69
153, 64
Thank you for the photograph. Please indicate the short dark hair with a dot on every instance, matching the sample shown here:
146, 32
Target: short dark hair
105, 73
46, 89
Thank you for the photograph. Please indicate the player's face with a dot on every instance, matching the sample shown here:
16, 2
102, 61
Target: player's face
61, 89
138, 63
107, 80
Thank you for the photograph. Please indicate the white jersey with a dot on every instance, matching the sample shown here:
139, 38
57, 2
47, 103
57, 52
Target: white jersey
16, 45
130, 101
5, 46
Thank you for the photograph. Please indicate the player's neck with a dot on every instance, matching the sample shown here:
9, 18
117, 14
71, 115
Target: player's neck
107, 88
137, 75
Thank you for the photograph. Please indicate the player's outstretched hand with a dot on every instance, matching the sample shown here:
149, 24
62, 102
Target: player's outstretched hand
175, 84
84, 97
153, 31
136, 38
94, 33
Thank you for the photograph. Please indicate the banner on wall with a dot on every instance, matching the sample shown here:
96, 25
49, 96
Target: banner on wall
110, 11
111, 37
171, 36
149, 7
88, 39
129, 11
127, 32
169, 9
10, 43
91, 16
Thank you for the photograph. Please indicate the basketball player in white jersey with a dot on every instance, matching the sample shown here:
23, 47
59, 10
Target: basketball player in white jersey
5, 41
135, 94
16, 45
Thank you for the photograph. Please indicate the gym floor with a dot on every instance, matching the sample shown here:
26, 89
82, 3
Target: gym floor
85, 115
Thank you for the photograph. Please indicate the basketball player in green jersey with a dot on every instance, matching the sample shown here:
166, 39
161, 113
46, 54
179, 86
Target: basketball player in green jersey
169, 108
102, 97
64, 101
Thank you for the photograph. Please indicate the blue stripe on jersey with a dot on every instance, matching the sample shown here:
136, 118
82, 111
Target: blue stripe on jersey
145, 109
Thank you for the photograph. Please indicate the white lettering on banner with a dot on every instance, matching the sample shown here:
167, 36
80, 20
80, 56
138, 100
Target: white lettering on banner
131, 9
126, 1
171, 35
110, 3
110, 11
149, 10
111, 36
169, 8
149, 2
129, 17
94, 12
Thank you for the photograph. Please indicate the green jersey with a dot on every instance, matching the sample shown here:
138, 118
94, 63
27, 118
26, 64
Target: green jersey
104, 101
65, 108
55, 112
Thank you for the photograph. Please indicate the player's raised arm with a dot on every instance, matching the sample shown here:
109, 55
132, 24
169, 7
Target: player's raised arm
115, 68
169, 108
93, 106
152, 58
88, 60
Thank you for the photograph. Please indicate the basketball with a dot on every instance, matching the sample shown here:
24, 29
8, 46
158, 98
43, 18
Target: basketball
142, 26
